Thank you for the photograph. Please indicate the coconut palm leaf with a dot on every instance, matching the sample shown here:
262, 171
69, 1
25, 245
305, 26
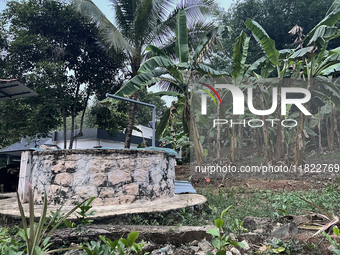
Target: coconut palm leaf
112, 36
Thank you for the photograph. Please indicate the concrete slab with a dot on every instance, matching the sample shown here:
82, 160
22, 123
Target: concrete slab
9, 212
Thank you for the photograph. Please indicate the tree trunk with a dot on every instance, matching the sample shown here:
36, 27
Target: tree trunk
135, 64
218, 136
298, 158
64, 126
279, 138
332, 129
266, 146
73, 115
233, 142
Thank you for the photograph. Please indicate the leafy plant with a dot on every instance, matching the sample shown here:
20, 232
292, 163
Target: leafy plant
221, 242
281, 206
9, 245
235, 226
334, 243
277, 246
118, 247
36, 239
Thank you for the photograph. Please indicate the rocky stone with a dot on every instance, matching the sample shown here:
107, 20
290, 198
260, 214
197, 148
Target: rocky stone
173, 235
252, 238
205, 245
252, 223
64, 179
86, 191
132, 189
246, 245
130, 174
118, 176
228, 253
235, 251
285, 231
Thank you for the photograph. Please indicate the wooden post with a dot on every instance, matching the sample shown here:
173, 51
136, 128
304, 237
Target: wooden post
24, 175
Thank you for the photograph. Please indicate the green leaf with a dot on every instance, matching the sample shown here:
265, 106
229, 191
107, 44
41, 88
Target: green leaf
330, 20
221, 253
167, 93
301, 52
226, 210
268, 45
238, 244
156, 51
219, 223
132, 237
162, 124
216, 243
182, 36
240, 53
139, 81
336, 230
331, 70
255, 66
214, 232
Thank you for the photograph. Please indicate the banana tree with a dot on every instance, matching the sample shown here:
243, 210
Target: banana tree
175, 78
274, 59
313, 58
240, 53
318, 61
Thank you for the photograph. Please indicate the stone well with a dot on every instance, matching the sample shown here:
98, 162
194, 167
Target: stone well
113, 176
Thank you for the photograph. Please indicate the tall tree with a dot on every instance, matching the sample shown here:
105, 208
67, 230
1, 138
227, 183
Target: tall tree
176, 78
142, 22
54, 50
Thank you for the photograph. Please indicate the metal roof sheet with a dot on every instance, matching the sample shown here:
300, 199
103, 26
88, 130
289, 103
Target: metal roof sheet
184, 187
13, 89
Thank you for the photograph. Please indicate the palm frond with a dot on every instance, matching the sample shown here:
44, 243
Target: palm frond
112, 36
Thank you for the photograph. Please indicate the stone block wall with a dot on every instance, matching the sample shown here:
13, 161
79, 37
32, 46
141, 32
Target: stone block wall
112, 176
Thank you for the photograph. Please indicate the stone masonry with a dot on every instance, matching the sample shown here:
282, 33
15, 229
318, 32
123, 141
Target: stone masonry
112, 176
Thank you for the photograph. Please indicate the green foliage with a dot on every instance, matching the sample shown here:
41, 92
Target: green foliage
37, 235
82, 215
335, 243
278, 246
118, 247
221, 242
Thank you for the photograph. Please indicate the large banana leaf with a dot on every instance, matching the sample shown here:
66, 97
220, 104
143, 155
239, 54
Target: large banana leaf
139, 81
204, 69
167, 93
182, 37
156, 51
328, 88
208, 40
330, 20
321, 33
333, 69
255, 66
301, 52
162, 124
240, 53
268, 44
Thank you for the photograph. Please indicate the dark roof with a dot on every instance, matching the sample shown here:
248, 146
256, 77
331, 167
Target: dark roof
91, 133
13, 89
16, 148
96, 133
